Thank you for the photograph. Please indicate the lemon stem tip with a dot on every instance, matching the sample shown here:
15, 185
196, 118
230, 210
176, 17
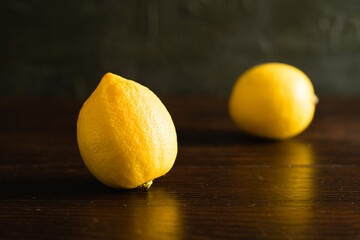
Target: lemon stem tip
316, 99
145, 186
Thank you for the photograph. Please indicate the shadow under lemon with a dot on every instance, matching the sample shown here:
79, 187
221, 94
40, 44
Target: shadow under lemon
132, 215
294, 187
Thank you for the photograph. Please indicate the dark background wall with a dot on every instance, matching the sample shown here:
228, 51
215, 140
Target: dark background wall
185, 47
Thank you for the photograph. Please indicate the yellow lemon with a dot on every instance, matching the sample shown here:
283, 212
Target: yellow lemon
125, 134
273, 100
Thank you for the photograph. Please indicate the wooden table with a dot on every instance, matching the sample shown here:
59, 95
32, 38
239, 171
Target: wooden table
224, 185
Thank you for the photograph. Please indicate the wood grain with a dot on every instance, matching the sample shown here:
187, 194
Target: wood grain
224, 185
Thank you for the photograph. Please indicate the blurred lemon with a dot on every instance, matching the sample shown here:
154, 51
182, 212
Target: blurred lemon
273, 100
125, 134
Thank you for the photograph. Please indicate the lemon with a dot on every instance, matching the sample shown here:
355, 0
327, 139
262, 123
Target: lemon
125, 135
273, 100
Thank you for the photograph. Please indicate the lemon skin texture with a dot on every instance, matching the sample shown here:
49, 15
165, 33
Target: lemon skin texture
273, 100
125, 134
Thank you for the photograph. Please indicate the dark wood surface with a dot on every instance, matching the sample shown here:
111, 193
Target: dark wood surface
224, 184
